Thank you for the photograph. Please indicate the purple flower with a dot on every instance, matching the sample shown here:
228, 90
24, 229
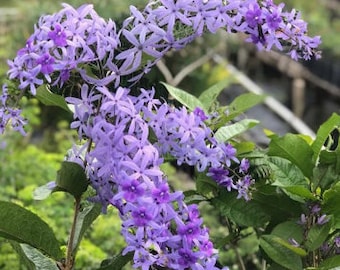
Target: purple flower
323, 219
254, 15
58, 36
190, 230
161, 194
200, 113
187, 257
46, 61
132, 190
141, 216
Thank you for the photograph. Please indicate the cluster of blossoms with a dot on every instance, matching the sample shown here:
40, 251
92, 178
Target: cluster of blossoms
124, 170
71, 39
78, 47
10, 114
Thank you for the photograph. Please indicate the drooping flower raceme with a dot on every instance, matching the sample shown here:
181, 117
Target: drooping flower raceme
124, 169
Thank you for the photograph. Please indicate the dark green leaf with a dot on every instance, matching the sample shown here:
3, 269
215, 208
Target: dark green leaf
117, 262
281, 252
317, 235
45, 96
209, 96
205, 186
295, 149
289, 230
324, 177
191, 196
225, 133
72, 179
33, 258
243, 103
23, 226
188, 100
84, 220
244, 213
276, 204
323, 133
331, 202
331, 263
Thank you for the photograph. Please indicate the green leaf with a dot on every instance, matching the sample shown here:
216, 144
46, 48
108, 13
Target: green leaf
117, 262
323, 133
331, 202
281, 252
317, 236
209, 96
324, 177
191, 196
331, 263
23, 226
295, 149
205, 186
300, 193
285, 173
244, 213
188, 100
276, 204
45, 96
72, 179
242, 148
225, 133
290, 178
33, 258
289, 230
84, 220
243, 103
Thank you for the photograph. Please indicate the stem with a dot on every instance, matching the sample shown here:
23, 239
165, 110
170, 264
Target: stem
239, 258
69, 256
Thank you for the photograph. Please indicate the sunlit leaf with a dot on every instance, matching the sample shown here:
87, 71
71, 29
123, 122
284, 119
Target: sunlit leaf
225, 133
295, 149
186, 99
209, 95
243, 103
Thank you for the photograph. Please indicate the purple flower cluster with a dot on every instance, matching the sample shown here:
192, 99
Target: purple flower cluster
124, 170
67, 41
63, 43
10, 114
185, 137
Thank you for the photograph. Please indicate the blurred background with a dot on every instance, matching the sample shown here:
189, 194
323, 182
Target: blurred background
310, 90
